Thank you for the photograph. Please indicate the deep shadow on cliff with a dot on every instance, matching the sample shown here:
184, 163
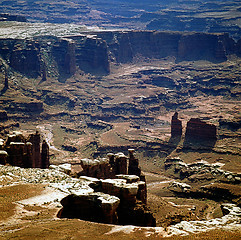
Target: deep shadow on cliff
95, 52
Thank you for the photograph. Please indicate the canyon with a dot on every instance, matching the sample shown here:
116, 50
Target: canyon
141, 127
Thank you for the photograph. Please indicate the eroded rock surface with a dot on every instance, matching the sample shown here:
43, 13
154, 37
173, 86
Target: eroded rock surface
117, 201
25, 151
199, 130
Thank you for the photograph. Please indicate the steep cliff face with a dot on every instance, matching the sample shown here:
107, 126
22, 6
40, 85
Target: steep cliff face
63, 51
125, 46
91, 54
22, 55
195, 46
94, 51
200, 130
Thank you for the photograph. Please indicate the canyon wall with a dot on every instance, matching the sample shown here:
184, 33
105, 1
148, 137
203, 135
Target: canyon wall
95, 51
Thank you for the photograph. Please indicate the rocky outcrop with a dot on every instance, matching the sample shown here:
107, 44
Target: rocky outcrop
94, 51
128, 45
97, 168
25, 58
200, 171
3, 157
11, 17
119, 198
91, 54
45, 155
36, 154
96, 207
25, 152
200, 130
233, 124
176, 126
196, 46
108, 168
63, 51
3, 115
133, 168
119, 201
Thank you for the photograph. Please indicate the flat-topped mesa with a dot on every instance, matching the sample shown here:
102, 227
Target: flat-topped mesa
176, 126
95, 51
200, 130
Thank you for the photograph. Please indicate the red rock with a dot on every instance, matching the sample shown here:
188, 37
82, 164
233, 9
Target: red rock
176, 126
200, 130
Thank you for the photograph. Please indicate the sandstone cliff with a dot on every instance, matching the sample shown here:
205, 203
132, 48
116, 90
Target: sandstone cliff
95, 51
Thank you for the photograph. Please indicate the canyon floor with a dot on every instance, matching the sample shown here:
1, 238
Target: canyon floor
127, 108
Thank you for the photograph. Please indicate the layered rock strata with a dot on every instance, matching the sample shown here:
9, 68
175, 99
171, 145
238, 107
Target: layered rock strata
199, 130
96, 207
117, 201
3, 115
176, 126
108, 168
25, 152
95, 51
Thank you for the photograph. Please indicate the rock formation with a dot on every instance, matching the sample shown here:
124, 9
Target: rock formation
25, 152
120, 201
91, 54
25, 57
97, 168
200, 171
3, 115
108, 168
197, 46
36, 155
120, 164
199, 130
133, 168
94, 51
119, 198
63, 51
96, 207
45, 155
176, 126
3, 157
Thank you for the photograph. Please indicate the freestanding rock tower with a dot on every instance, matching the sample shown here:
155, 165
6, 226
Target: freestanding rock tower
176, 126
